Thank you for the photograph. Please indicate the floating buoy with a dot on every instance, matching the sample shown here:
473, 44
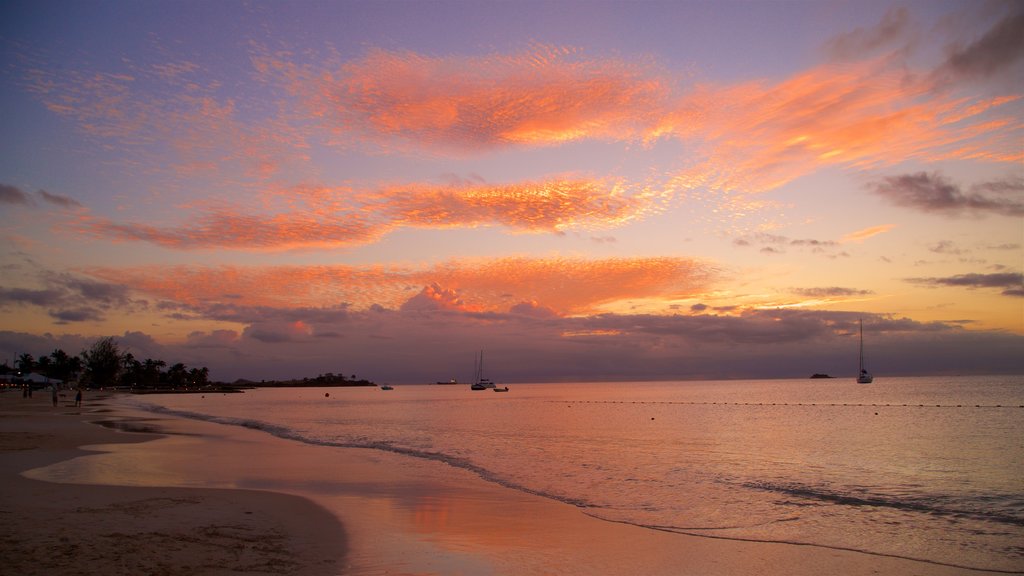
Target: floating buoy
327, 394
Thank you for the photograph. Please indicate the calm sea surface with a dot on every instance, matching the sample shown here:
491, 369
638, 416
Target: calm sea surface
925, 468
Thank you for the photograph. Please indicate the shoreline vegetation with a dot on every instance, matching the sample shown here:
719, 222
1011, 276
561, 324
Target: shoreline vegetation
104, 366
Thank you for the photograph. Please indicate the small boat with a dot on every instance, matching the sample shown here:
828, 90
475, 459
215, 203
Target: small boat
505, 389
863, 377
481, 383
387, 387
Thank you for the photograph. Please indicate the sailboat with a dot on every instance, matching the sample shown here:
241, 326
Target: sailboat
479, 382
863, 377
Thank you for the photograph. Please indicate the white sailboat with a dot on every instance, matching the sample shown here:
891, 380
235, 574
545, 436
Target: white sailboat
863, 377
479, 382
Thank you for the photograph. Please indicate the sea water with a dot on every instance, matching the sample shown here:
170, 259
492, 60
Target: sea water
924, 468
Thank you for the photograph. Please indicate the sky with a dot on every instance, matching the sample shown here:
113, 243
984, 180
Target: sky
582, 190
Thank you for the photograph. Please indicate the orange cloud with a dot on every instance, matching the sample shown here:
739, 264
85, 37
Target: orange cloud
320, 217
563, 285
541, 97
758, 135
862, 235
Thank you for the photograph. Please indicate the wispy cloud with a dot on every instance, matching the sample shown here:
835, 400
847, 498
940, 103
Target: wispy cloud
933, 192
862, 235
890, 29
1011, 282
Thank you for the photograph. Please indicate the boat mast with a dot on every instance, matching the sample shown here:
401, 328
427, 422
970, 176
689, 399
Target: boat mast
861, 346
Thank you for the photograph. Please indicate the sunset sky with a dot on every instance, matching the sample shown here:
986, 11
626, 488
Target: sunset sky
583, 190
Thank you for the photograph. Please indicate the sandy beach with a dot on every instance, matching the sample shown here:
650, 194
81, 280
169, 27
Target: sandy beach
203, 498
55, 528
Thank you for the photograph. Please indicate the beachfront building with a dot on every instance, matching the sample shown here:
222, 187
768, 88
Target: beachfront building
31, 378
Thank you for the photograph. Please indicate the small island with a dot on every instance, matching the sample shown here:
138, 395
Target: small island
817, 375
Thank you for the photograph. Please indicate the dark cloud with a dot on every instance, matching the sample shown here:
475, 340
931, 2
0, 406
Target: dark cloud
77, 315
58, 200
70, 298
1011, 282
215, 338
935, 193
37, 297
268, 336
854, 44
830, 291
776, 244
699, 307
996, 50
13, 195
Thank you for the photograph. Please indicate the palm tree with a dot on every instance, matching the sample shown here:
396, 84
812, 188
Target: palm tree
26, 363
177, 375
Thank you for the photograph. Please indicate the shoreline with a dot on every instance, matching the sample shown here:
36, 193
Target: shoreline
391, 513
87, 529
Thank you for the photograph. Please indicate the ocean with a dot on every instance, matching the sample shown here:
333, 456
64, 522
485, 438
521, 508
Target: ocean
927, 468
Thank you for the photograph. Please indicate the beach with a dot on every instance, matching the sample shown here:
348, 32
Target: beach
158, 494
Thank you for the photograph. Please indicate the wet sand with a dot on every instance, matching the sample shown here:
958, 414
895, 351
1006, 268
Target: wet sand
204, 498
55, 529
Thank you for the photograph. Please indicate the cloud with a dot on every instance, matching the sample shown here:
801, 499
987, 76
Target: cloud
756, 136
58, 200
999, 48
37, 297
1011, 282
85, 314
67, 297
935, 193
566, 285
432, 298
321, 217
829, 292
945, 247
862, 235
854, 44
776, 244
544, 96
14, 195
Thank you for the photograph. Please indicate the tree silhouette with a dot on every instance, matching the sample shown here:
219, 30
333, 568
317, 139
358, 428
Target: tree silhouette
103, 362
26, 363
